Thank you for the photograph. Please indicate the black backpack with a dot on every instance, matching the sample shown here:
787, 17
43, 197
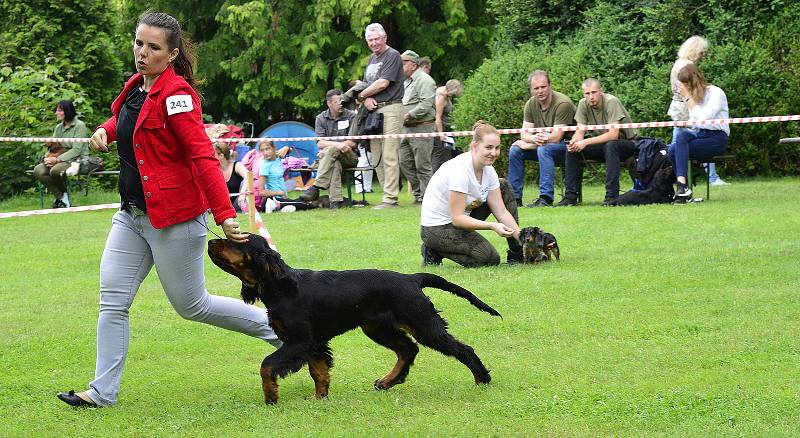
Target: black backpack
652, 157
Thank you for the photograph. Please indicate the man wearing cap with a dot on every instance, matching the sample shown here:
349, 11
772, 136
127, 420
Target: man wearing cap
384, 94
333, 155
418, 103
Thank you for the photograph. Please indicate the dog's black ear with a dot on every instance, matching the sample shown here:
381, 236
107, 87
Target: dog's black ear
249, 294
275, 275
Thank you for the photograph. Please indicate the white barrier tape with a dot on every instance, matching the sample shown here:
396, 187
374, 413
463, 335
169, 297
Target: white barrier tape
59, 210
665, 124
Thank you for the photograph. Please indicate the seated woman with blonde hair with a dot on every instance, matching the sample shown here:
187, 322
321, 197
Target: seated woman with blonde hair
459, 198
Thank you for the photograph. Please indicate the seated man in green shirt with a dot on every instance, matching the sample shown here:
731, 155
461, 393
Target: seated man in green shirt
51, 171
611, 145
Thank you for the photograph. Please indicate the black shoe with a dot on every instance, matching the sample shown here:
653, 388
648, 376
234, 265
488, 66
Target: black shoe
59, 204
310, 194
73, 399
543, 201
610, 202
335, 205
519, 202
514, 257
684, 192
567, 202
429, 256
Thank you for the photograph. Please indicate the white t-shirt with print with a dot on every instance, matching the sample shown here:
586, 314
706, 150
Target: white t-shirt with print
456, 175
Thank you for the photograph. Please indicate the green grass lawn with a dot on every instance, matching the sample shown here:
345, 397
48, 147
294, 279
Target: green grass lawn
659, 320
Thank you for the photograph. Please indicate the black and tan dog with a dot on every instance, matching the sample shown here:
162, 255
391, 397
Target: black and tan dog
658, 192
308, 308
538, 245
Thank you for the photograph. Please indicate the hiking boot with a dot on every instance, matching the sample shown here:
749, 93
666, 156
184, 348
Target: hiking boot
609, 202
429, 256
514, 256
335, 205
310, 194
543, 201
567, 202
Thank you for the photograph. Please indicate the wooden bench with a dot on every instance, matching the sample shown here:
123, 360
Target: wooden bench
699, 163
80, 183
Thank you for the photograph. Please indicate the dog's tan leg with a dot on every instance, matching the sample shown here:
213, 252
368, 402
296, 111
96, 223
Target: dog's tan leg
321, 374
389, 380
270, 385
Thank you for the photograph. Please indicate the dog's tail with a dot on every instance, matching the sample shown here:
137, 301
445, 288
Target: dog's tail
431, 280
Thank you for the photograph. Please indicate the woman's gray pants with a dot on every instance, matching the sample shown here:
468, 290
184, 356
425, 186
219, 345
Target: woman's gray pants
132, 248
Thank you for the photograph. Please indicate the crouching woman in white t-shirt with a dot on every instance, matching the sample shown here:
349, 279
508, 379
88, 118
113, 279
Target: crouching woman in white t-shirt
460, 196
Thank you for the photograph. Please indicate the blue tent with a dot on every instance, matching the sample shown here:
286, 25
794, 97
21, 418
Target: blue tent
304, 149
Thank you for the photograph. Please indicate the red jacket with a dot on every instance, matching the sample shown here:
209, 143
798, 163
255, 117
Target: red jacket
180, 175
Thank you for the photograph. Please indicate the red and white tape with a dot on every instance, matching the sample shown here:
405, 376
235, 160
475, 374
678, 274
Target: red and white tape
665, 124
59, 210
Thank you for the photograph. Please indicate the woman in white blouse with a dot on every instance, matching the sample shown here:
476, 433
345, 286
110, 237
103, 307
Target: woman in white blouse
701, 141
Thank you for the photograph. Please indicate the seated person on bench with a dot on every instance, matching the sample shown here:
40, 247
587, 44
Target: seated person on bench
333, 155
51, 171
704, 141
611, 145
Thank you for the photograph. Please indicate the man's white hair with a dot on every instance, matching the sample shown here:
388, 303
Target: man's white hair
375, 27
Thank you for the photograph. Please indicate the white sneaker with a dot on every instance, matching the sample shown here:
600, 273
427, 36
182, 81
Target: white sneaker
719, 182
270, 206
288, 209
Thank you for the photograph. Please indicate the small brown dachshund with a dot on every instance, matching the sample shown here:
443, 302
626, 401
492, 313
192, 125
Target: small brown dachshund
538, 246
309, 308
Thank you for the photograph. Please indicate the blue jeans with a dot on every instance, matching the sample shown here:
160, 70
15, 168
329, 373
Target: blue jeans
696, 145
547, 156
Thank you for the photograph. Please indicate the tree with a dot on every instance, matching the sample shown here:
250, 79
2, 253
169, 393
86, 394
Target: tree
73, 36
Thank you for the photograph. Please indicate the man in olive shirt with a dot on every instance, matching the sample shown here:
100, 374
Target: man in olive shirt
333, 155
545, 108
612, 145
418, 103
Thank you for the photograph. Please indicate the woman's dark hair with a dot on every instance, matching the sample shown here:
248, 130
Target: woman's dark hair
68, 108
185, 61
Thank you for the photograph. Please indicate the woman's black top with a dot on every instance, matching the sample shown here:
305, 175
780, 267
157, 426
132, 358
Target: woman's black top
234, 183
130, 181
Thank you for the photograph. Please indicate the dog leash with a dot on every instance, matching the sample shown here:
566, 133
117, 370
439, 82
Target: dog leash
209, 229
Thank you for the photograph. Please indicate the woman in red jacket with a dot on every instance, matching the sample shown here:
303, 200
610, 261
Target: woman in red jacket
169, 178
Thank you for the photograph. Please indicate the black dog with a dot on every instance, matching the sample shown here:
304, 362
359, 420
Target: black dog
308, 308
538, 246
659, 191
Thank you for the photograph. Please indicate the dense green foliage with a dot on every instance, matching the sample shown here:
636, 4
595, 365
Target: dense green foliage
272, 61
74, 36
638, 331
630, 47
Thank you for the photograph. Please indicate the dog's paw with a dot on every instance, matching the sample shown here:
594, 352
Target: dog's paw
381, 385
